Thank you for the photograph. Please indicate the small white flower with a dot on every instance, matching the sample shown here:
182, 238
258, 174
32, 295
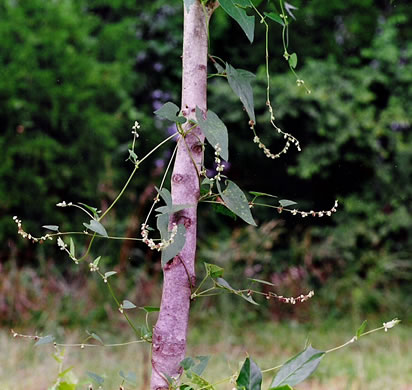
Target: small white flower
391, 324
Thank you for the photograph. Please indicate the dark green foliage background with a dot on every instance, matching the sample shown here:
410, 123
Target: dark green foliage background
75, 74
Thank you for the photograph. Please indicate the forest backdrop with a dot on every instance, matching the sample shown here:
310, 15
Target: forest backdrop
76, 74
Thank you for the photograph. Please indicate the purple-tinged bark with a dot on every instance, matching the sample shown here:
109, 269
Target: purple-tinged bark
169, 335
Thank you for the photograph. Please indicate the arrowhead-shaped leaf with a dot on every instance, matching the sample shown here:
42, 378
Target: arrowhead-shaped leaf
276, 17
246, 22
286, 203
128, 305
44, 340
54, 228
130, 377
239, 80
236, 201
96, 227
250, 376
297, 369
97, 378
213, 270
176, 246
169, 111
214, 130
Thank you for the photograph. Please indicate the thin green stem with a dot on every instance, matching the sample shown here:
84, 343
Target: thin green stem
119, 306
88, 248
132, 174
161, 184
82, 345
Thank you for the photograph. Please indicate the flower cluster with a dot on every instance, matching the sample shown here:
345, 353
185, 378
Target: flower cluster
292, 300
135, 127
94, 268
28, 235
290, 139
220, 167
163, 243
64, 204
312, 213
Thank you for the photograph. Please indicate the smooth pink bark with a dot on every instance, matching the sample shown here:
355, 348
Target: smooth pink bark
170, 332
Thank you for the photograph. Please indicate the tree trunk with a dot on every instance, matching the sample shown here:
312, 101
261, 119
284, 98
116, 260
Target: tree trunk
169, 334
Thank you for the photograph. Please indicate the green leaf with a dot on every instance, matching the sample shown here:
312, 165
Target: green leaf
145, 333
202, 382
188, 4
169, 111
44, 340
222, 283
213, 270
214, 130
130, 377
66, 386
109, 273
219, 68
187, 363
236, 201
298, 368
97, 378
222, 209
293, 60
96, 227
132, 155
128, 305
150, 309
361, 329
249, 299
201, 366
286, 203
276, 17
255, 193
170, 208
72, 248
286, 387
96, 261
95, 336
261, 281
207, 182
176, 246
250, 376
53, 228
246, 22
239, 80
90, 208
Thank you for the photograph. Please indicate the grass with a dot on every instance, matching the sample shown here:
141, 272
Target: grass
382, 361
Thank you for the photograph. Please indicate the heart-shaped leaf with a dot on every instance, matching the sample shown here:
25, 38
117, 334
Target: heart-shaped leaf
214, 130
236, 201
53, 228
169, 111
275, 17
128, 305
246, 22
44, 340
239, 80
298, 368
97, 227
286, 203
250, 376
